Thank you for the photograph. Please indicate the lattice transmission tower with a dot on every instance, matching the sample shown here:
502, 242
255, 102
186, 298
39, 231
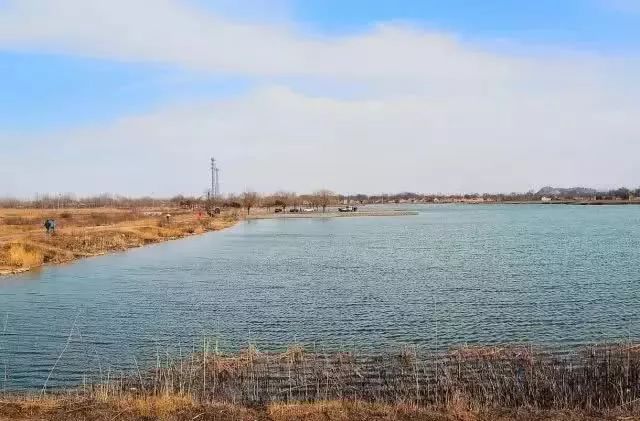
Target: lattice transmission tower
215, 180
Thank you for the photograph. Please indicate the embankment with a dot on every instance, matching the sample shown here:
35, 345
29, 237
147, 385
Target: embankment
25, 246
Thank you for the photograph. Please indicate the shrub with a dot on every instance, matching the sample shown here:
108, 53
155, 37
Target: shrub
24, 256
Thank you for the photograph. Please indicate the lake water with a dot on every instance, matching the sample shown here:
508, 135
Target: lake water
551, 275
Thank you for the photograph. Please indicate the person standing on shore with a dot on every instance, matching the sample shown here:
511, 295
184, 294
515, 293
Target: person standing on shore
50, 226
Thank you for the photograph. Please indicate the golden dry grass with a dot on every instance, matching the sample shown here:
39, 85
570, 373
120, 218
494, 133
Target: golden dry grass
176, 408
22, 256
160, 406
90, 232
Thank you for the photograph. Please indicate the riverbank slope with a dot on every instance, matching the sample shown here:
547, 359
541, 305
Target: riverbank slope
24, 244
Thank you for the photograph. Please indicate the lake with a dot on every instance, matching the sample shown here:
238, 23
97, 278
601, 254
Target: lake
560, 276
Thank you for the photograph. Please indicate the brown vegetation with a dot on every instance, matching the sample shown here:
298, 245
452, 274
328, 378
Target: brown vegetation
598, 379
470, 383
177, 408
24, 256
24, 244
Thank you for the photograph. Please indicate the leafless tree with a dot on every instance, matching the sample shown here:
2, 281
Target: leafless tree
293, 200
324, 198
280, 199
308, 200
250, 199
285, 199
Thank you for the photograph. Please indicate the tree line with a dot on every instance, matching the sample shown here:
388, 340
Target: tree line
319, 200
248, 200
284, 200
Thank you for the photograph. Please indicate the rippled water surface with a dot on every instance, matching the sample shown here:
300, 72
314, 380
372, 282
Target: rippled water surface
557, 275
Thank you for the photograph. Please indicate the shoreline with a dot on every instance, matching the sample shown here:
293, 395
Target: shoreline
498, 382
72, 243
78, 239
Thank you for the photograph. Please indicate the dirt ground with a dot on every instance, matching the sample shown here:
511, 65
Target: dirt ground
25, 245
183, 409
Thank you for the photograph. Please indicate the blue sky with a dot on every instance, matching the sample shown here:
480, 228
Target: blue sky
598, 24
46, 91
178, 58
43, 91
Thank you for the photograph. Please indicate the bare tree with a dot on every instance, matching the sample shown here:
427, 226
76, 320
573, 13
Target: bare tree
250, 199
280, 199
308, 200
324, 198
293, 200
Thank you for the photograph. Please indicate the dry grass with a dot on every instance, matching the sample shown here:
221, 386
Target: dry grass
176, 408
23, 256
467, 384
82, 233
597, 380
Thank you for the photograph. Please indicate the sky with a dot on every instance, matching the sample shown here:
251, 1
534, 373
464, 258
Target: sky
134, 96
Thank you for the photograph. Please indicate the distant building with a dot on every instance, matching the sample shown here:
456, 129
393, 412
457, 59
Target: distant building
546, 199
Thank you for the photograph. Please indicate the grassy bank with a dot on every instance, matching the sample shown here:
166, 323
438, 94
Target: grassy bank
177, 408
468, 383
83, 233
594, 379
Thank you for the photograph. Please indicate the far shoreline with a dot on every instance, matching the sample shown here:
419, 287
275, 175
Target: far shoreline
330, 214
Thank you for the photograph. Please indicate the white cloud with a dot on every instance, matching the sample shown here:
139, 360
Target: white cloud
276, 138
430, 113
169, 31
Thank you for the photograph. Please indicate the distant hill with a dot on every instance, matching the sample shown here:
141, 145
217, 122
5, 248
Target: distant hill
566, 192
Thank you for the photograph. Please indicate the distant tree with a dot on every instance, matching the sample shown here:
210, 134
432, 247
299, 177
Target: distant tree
361, 198
232, 201
290, 199
324, 198
269, 202
307, 200
282, 199
250, 199
9, 202
177, 199
621, 193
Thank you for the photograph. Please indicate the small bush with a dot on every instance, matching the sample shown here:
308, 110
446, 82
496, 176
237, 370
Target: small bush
24, 256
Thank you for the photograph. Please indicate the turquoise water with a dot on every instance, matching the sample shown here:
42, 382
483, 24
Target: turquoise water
552, 275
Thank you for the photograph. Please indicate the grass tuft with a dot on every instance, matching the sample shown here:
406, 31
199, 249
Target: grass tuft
24, 256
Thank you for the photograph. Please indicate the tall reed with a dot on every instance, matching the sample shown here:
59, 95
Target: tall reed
591, 379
